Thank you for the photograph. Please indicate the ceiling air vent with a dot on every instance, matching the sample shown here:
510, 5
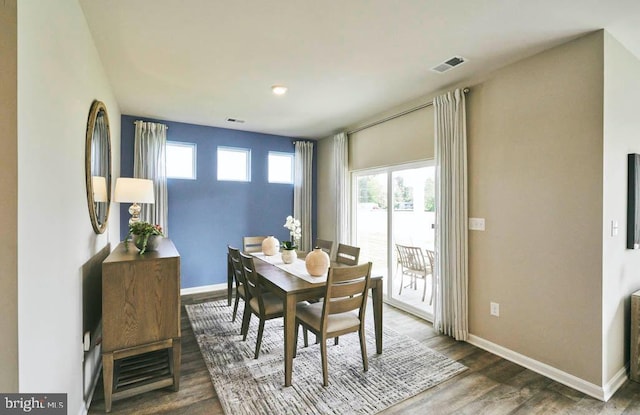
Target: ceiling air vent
236, 120
449, 64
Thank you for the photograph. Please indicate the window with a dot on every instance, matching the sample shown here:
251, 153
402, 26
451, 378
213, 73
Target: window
280, 167
234, 164
396, 205
181, 160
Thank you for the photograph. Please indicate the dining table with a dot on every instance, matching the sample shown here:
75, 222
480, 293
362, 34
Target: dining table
290, 283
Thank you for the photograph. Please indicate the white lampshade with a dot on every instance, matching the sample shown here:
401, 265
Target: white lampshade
99, 184
133, 190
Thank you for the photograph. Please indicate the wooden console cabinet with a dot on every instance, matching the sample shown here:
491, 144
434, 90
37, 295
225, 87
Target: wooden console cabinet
140, 321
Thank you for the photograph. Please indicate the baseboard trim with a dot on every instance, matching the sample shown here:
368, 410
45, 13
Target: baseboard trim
203, 289
616, 382
600, 393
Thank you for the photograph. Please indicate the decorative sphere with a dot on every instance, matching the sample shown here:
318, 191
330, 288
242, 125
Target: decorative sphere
270, 246
317, 262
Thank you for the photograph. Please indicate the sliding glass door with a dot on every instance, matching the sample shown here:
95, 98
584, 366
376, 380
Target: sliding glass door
396, 206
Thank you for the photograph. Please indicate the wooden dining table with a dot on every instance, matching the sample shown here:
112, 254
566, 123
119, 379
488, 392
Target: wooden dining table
293, 289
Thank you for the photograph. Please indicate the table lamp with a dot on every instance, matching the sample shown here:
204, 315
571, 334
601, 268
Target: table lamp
99, 184
130, 190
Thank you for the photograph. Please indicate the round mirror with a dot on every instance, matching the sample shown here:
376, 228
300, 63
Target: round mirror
98, 166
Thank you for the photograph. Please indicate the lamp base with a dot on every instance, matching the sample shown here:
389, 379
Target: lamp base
134, 211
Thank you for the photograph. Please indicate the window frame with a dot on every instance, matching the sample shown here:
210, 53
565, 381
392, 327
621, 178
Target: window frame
290, 156
246, 151
194, 158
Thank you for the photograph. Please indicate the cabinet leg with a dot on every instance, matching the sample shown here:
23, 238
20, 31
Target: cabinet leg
107, 378
176, 352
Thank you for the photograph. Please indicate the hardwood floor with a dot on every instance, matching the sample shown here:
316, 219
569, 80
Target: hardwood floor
491, 385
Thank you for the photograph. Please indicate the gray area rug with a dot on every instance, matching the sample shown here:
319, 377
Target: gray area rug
249, 386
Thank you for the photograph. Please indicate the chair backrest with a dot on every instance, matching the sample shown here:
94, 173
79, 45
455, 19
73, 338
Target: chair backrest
326, 246
411, 258
236, 265
346, 291
252, 279
347, 254
431, 256
252, 243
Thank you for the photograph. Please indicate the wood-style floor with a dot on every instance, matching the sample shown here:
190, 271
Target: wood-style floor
491, 385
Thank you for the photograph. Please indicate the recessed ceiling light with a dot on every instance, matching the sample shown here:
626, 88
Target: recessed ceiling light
279, 89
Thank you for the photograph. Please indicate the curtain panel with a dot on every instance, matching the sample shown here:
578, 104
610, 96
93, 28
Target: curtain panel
150, 163
341, 168
303, 191
451, 274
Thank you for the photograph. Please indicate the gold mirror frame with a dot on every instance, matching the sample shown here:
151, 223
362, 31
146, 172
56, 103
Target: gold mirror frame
98, 166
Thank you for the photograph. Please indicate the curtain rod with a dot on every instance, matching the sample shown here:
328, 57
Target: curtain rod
400, 114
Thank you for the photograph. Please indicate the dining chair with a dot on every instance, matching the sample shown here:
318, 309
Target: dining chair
326, 246
342, 311
413, 264
263, 304
347, 254
238, 277
252, 243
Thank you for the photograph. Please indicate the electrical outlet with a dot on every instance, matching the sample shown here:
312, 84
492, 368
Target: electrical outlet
495, 309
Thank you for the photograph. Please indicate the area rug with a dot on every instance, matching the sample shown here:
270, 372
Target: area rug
256, 386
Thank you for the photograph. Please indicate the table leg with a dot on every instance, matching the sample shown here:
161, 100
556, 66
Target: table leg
289, 336
229, 280
376, 294
176, 353
107, 379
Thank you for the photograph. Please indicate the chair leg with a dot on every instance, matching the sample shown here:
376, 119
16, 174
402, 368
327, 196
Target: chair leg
363, 349
295, 341
424, 291
305, 335
246, 319
323, 354
235, 307
259, 340
401, 283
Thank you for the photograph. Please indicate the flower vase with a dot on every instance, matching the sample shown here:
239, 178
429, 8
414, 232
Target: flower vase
289, 255
270, 246
317, 262
152, 243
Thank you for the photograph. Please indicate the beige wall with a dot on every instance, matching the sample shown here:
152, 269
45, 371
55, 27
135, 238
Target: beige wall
535, 175
59, 74
9, 199
621, 267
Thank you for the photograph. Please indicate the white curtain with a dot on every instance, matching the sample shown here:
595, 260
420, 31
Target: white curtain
150, 163
302, 191
451, 299
341, 169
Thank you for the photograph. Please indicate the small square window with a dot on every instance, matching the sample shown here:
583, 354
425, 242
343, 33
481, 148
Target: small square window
181, 160
234, 164
280, 167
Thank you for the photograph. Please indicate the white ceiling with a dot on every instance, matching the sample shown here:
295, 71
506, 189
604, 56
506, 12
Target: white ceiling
202, 61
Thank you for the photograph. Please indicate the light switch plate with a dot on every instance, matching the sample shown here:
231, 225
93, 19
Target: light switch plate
476, 224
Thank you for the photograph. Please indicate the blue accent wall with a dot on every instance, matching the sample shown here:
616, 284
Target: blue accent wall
206, 215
